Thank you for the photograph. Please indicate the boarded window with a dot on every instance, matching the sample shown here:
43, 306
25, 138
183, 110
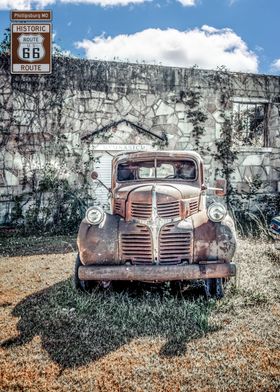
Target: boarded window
250, 124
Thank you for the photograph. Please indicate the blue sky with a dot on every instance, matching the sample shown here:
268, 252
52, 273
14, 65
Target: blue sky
242, 35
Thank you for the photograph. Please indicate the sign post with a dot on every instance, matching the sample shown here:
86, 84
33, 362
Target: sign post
31, 48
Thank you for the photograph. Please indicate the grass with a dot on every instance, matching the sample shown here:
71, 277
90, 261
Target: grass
101, 323
12, 245
144, 338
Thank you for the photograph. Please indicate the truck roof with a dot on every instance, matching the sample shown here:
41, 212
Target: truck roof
171, 154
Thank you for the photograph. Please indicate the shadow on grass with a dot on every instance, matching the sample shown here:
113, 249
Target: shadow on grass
77, 328
13, 245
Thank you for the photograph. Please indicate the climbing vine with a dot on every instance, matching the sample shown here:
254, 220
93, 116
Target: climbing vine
195, 115
225, 155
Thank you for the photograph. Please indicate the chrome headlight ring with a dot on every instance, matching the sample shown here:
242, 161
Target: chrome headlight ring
216, 212
95, 215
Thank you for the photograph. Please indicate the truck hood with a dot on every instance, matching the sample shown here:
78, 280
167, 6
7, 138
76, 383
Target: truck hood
165, 192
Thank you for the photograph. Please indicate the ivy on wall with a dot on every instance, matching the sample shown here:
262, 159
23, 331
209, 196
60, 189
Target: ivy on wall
192, 99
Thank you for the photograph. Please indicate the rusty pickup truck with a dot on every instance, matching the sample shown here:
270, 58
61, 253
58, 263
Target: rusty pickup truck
161, 227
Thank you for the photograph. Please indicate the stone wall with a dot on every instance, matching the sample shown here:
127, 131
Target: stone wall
56, 121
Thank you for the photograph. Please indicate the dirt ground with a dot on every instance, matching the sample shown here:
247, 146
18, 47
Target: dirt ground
55, 339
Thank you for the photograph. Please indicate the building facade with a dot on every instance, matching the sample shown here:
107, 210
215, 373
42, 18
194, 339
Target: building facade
75, 120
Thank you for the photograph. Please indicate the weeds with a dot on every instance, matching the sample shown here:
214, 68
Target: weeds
251, 224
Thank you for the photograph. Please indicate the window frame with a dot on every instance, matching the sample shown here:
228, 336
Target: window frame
254, 101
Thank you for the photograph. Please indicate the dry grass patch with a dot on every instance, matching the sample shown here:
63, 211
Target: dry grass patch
144, 339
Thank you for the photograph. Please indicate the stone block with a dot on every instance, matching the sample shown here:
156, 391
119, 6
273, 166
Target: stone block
235, 176
8, 160
185, 127
112, 96
150, 99
123, 106
10, 178
18, 161
182, 116
164, 109
180, 107
172, 119
208, 136
218, 116
218, 130
253, 160
162, 120
211, 107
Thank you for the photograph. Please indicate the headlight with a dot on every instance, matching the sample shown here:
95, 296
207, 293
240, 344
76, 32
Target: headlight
95, 215
216, 212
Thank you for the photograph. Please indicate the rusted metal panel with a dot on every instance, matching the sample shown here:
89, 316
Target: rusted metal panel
157, 273
99, 244
213, 241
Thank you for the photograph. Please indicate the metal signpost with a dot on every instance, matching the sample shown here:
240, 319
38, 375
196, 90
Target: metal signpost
31, 43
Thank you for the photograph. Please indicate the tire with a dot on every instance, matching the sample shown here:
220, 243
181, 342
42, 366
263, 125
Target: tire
214, 288
87, 285
83, 285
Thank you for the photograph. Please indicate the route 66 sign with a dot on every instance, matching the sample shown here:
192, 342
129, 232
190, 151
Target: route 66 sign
31, 48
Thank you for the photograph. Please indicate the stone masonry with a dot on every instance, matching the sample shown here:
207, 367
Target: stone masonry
57, 120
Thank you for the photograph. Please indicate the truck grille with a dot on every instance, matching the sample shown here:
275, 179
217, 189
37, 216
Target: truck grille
164, 210
118, 207
137, 247
193, 206
141, 210
174, 246
169, 210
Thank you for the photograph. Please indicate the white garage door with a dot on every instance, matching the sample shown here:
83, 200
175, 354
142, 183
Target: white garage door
103, 166
104, 154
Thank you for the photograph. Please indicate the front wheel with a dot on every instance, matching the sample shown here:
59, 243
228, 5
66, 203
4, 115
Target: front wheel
87, 285
83, 285
214, 288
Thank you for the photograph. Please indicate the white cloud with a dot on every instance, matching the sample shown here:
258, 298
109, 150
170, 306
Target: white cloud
24, 4
275, 66
206, 47
105, 3
188, 3
29, 4
15, 4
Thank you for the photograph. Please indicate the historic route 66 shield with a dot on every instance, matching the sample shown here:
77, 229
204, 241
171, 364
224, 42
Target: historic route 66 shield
31, 47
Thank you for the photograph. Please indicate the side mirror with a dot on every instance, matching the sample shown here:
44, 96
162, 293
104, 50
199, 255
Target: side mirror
94, 175
221, 187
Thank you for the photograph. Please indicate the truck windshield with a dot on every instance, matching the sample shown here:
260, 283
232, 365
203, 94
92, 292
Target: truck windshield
157, 169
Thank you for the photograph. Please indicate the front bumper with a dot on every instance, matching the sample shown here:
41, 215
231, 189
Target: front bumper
159, 273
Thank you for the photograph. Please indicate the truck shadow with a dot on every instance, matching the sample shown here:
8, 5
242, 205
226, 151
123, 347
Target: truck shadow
77, 328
